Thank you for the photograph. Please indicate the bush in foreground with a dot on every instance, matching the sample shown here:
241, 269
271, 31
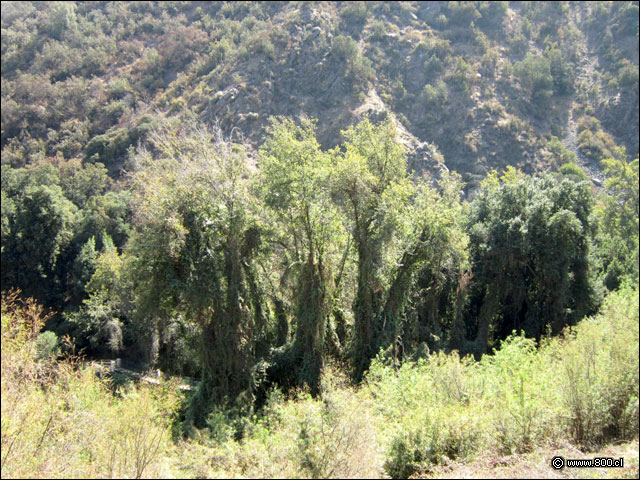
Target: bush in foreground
60, 420
580, 388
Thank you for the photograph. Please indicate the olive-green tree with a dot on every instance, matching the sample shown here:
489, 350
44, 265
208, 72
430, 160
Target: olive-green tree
434, 246
617, 209
39, 230
98, 325
372, 186
294, 186
401, 227
191, 257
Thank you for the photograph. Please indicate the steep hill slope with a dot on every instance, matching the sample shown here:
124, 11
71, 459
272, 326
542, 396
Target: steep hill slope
478, 85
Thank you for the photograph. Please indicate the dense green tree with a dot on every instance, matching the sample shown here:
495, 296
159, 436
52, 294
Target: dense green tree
83, 267
38, 233
162, 242
373, 188
61, 17
401, 228
108, 214
462, 14
531, 260
435, 247
191, 255
98, 324
618, 212
294, 185
536, 80
357, 68
561, 71
83, 182
574, 171
45, 234
8, 211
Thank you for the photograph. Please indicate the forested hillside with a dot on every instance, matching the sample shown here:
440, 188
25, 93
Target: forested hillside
425, 211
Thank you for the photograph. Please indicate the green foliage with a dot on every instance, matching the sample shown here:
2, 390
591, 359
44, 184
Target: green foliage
445, 408
260, 44
524, 404
618, 212
357, 68
601, 389
373, 188
561, 71
561, 155
107, 269
461, 75
108, 148
55, 406
217, 54
435, 248
329, 438
293, 184
83, 267
518, 44
378, 31
404, 421
8, 211
82, 182
594, 143
572, 170
191, 258
536, 81
530, 243
462, 14
160, 241
354, 12
294, 175
493, 14
62, 17
436, 441
47, 345
435, 97
98, 324
39, 232
628, 77
181, 45
393, 222
106, 215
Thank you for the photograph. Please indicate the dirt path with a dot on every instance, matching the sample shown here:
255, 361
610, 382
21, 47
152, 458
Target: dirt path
537, 464
155, 377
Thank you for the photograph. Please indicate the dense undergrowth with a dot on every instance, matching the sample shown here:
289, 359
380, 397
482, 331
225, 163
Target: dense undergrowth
60, 420
322, 210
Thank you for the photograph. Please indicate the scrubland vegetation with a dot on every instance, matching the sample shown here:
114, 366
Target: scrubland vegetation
59, 419
354, 239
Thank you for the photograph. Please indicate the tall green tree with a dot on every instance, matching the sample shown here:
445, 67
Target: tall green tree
434, 246
531, 241
536, 80
99, 324
39, 230
401, 227
294, 185
191, 256
83, 267
617, 210
373, 188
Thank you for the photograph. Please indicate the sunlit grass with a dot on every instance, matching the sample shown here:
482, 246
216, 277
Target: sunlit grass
580, 389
